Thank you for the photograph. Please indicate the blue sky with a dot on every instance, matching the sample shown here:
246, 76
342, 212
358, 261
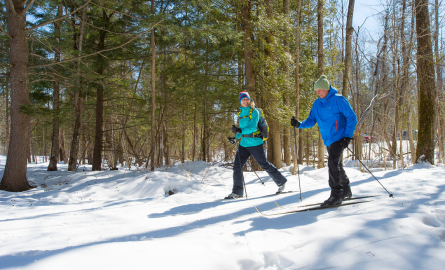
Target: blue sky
366, 11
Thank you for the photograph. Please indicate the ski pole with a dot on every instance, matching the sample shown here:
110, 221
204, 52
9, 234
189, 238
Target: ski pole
296, 158
256, 174
390, 194
261, 180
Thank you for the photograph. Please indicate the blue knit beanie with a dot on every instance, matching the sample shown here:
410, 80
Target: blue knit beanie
242, 95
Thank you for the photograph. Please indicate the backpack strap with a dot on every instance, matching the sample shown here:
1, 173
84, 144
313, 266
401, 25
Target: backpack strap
250, 114
256, 134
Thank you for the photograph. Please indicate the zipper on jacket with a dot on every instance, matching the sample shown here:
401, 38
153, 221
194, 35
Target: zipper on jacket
336, 125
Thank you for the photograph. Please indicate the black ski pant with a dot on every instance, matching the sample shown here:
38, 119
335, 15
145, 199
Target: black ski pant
337, 176
259, 155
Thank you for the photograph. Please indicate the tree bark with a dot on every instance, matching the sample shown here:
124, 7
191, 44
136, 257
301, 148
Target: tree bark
248, 50
348, 50
102, 64
6, 119
78, 104
274, 142
397, 102
426, 84
439, 87
195, 131
14, 177
62, 153
53, 160
320, 54
166, 145
98, 138
153, 97
298, 159
286, 98
204, 107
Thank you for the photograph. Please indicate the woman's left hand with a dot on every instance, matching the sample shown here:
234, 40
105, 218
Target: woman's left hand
235, 129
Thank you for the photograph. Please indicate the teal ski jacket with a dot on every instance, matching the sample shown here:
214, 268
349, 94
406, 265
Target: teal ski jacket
248, 126
334, 117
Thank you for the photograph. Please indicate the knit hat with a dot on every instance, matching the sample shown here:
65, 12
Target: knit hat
242, 95
322, 83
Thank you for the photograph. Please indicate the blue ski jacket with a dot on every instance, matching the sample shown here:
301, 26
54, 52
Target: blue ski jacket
334, 116
248, 126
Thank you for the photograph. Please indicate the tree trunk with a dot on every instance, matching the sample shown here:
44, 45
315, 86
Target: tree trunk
166, 145
102, 64
120, 149
320, 72
56, 92
396, 102
286, 99
406, 63
195, 131
183, 132
248, 50
274, 143
204, 107
14, 177
439, 86
44, 144
29, 143
153, 96
98, 138
299, 156
6, 119
426, 82
62, 154
78, 105
298, 159
348, 50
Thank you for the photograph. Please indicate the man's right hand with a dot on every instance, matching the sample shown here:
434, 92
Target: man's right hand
294, 122
232, 140
235, 129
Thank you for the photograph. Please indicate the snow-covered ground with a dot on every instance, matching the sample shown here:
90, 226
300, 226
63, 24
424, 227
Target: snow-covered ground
124, 220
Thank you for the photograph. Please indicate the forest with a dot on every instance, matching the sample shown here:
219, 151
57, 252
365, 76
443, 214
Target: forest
148, 84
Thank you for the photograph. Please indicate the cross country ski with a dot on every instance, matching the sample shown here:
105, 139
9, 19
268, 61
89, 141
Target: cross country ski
311, 208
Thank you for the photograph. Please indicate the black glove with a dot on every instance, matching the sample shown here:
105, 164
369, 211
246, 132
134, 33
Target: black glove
345, 142
232, 140
294, 122
235, 129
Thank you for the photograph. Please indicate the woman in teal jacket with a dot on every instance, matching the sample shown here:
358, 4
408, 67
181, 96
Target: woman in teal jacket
251, 144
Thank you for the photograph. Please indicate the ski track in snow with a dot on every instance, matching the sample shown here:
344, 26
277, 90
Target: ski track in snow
124, 219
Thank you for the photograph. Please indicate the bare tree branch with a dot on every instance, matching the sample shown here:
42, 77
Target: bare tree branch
98, 52
4, 32
60, 18
28, 6
371, 105
40, 80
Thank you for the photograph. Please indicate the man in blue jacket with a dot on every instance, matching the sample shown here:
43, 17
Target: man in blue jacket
337, 122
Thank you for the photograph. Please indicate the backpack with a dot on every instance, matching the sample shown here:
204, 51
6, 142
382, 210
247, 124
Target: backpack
263, 128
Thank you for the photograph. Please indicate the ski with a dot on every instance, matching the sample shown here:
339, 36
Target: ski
345, 200
264, 196
310, 208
